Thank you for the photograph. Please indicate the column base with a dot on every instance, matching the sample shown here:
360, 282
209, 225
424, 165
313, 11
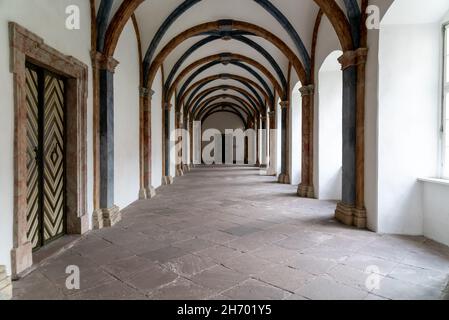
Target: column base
166, 181
306, 191
271, 172
21, 259
142, 194
360, 218
5, 285
344, 214
148, 193
179, 172
351, 216
185, 168
106, 218
284, 178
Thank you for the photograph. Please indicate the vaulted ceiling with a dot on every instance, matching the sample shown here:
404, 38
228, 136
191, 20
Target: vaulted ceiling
240, 62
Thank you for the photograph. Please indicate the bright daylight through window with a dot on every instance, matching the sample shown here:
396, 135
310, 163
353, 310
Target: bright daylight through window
446, 105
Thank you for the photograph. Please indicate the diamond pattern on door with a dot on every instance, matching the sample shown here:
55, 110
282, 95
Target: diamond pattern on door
53, 205
32, 99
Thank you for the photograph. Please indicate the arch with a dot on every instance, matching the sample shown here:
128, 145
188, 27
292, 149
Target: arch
224, 58
194, 111
235, 36
216, 26
267, 5
251, 99
230, 104
338, 20
193, 106
245, 105
220, 107
127, 8
117, 24
104, 11
214, 63
223, 76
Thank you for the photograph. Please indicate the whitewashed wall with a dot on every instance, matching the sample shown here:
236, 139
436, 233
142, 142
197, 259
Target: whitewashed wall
409, 87
126, 119
46, 18
295, 135
330, 92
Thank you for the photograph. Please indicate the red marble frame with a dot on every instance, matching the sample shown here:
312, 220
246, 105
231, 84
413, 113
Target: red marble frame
26, 46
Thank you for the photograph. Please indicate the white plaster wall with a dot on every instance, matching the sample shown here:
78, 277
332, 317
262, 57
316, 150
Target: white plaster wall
435, 199
330, 84
156, 131
223, 121
409, 86
126, 119
295, 135
46, 18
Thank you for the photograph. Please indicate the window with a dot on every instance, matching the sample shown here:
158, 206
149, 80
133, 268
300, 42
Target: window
445, 118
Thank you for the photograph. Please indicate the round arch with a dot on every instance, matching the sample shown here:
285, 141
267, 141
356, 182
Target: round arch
224, 58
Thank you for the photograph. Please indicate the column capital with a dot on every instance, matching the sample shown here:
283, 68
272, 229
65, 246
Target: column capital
146, 92
271, 113
353, 58
307, 90
101, 62
284, 104
263, 118
167, 106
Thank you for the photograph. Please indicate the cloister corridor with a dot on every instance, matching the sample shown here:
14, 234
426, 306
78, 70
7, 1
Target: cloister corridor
231, 233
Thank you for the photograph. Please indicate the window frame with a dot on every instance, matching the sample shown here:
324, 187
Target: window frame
445, 103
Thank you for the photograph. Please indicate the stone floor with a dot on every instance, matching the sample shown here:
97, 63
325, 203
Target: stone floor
230, 233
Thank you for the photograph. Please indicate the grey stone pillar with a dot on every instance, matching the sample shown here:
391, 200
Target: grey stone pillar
108, 214
345, 208
284, 177
167, 179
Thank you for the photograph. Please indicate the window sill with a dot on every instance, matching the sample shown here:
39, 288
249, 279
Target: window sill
442, 182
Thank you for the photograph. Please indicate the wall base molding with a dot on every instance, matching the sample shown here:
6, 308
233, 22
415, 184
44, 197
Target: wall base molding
306, 191
5, 285
106, 218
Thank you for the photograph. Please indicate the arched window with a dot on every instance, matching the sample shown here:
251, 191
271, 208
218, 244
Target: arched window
445, 113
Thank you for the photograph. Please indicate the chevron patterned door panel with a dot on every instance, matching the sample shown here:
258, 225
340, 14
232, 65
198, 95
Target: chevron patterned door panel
33, 214
46, 156
53, 206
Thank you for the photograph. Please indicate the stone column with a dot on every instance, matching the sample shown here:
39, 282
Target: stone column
258, 142
179, 148
264, 142
284, 177
108, 214
167, 179
272, 137
306, 188
185, 144
351, 210
147, 190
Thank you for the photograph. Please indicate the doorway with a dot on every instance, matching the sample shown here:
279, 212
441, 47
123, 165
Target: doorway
46, 134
